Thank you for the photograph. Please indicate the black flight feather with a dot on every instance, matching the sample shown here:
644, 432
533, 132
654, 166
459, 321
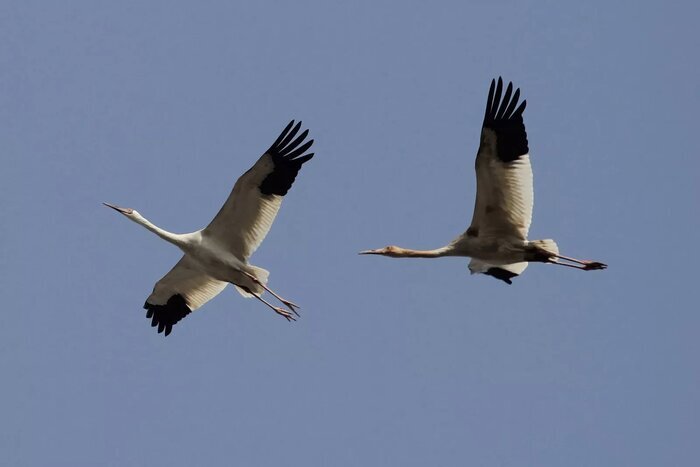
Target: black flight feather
501, 274
511, 138
165, 316
287, 159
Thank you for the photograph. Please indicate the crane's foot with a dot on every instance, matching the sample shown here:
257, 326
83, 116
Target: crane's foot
291, 305
282, 312
593, 265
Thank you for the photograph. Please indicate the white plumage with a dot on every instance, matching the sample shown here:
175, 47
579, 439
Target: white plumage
218, 254
186, 279
507, 191
249, 210
497, 240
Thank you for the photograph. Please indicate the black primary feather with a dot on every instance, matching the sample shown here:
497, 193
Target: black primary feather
287, 158
501, 274
506, 120
165, 316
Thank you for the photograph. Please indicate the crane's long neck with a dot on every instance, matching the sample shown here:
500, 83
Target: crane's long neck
179, 240
409, 253
399, 252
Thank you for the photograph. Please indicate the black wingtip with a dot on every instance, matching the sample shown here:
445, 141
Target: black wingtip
505, 102
285, 141
288, 156
506, 120
283, 134
489, 99
499, 106
165, 316
520, 109
501, 274
284, 146
496, 98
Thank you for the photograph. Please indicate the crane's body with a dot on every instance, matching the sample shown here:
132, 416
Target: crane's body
218, 254
217, 261
497, 238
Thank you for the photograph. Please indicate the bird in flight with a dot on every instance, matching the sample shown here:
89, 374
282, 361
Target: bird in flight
497, 240
218, 254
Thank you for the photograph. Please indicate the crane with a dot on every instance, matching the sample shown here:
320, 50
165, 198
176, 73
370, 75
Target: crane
497, 240
218, 254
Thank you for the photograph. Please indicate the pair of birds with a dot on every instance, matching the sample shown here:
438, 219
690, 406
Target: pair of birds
496, 239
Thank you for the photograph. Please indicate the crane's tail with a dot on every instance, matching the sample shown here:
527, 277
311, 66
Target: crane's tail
262, 275
543, 251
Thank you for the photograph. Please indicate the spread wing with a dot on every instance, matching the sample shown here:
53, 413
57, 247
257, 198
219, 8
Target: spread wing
248, 213
181, 291
504, 194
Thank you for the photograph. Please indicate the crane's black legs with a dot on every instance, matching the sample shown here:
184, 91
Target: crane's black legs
291, 305
585, 265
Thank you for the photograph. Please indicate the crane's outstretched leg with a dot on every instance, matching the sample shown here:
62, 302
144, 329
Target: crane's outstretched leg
287, 303
278, 310
585, 265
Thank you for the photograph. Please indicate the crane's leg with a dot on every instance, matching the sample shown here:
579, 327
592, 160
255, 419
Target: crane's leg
585, 264
287, 303
278, 310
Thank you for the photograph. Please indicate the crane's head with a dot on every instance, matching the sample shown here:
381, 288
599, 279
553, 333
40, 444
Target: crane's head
128, 212
391, 250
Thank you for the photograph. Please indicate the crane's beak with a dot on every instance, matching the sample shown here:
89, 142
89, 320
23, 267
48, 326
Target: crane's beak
369, 252
125, 211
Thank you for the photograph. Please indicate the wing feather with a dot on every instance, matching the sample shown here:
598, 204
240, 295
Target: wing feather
504, 272
504, 186
181, 291
247, 215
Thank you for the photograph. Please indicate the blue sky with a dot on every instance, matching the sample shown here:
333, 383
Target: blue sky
160, 106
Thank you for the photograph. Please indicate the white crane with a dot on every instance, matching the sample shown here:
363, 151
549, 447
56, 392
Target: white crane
497, 238
218, 254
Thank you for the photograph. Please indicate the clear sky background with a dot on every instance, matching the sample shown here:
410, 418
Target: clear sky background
160, 106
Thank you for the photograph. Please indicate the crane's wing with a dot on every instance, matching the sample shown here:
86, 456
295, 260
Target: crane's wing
247, 215
504, 194
181, 291
504, 272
